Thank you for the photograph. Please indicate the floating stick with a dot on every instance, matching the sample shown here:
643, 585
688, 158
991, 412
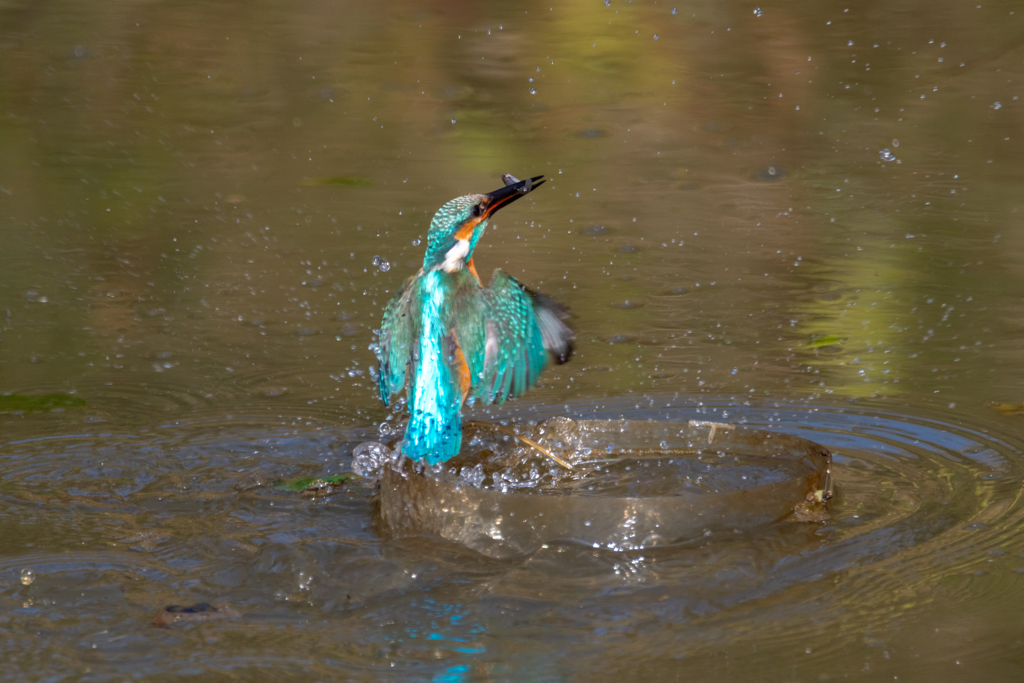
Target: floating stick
528, 442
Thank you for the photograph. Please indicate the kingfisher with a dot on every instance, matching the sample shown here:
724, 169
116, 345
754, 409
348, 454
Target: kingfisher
453, 338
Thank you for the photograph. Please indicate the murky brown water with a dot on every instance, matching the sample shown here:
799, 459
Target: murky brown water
793, 216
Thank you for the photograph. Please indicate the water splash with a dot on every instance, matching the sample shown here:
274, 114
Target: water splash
474, 476
369, 459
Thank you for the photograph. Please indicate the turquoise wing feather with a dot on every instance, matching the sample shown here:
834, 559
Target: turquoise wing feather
398, 332
509, 335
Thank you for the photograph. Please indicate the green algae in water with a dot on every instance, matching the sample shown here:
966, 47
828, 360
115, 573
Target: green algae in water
16, 403
313, 484
827, 340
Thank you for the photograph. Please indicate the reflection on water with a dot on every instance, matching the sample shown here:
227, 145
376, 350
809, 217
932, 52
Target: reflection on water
805, 204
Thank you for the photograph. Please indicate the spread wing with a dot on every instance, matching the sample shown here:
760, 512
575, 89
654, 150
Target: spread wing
398, 331
508, 335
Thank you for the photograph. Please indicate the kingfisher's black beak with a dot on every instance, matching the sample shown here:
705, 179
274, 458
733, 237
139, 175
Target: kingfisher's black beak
513, 190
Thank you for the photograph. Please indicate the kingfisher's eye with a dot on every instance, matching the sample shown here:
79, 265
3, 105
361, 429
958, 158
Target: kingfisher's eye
476, 210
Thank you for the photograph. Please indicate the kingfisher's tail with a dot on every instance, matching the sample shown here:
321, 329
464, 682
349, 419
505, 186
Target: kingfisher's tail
433, 436
434, 432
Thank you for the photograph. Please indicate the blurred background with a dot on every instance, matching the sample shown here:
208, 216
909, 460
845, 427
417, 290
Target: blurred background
761, 210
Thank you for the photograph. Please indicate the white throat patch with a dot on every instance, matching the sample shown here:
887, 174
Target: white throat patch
455, 259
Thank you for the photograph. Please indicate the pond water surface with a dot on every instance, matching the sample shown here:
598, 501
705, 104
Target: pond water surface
802, 216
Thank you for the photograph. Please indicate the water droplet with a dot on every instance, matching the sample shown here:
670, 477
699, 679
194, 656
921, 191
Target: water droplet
996, 105
673, 10
655, 36
886, 155
381, 263
453, 120
607, 3
770, 173
416, 242
533, 91
27, 577
384, 429
757, 12
895, 143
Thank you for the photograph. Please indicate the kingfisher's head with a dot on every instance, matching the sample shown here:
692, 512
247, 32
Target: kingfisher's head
458, 225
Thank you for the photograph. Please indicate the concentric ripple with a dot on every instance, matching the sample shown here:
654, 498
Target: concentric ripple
927, 520
921, 556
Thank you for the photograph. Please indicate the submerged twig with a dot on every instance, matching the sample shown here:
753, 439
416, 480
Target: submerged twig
665, 451
529, 442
